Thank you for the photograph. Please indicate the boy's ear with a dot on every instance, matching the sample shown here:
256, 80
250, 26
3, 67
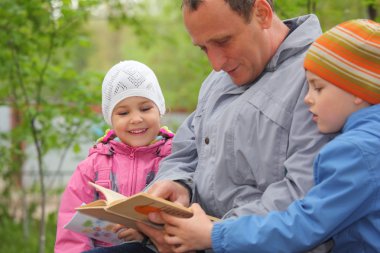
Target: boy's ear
358, 101
263, 13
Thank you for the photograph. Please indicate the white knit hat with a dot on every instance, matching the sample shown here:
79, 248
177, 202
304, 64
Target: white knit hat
128, 79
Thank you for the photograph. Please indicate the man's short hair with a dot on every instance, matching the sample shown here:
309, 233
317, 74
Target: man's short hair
241, 7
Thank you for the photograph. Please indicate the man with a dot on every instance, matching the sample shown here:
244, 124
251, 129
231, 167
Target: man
249, 146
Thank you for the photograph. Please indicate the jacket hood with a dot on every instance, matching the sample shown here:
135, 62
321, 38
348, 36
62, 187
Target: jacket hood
307, 29
366, 118
118, 147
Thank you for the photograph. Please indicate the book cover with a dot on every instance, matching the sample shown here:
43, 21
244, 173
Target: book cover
94, 228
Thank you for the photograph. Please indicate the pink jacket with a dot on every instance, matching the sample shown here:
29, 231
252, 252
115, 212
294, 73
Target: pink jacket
131, 170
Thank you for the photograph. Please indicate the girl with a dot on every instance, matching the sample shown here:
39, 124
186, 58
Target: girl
127, 158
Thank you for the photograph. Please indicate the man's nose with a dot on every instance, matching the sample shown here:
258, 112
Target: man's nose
216, 58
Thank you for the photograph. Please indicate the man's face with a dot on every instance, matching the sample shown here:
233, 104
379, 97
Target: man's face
231, 44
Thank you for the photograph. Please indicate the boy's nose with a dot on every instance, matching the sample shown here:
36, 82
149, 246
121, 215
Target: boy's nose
308, 100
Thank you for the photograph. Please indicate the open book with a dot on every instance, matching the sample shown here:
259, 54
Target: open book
120, 209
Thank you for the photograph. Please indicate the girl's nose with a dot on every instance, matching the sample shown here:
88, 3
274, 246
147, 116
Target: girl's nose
136, 118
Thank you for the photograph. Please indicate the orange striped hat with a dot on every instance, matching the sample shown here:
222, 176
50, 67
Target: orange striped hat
348, 56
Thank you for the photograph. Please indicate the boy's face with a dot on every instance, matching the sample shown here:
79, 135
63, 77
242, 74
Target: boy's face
136, 121
329, 105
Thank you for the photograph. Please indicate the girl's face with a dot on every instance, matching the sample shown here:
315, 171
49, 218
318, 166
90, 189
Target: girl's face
136, 121
329, 105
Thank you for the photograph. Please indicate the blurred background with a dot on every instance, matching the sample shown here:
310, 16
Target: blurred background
54, 55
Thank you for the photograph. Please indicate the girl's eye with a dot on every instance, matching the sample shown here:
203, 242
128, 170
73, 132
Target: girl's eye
122, 113
144, 109
317, 89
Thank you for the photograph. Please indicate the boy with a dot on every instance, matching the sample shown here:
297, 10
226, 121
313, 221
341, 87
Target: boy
343, 71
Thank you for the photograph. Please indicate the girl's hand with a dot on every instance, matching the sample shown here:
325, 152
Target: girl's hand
128, 234
187, 234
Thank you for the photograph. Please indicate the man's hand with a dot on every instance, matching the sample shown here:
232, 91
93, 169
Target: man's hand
171, 191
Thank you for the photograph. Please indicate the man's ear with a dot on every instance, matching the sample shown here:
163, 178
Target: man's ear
263, 13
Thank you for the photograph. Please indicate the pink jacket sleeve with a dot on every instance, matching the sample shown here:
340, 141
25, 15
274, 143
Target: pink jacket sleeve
76, 193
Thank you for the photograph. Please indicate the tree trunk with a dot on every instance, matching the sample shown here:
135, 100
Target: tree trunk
18, 159
311, 6
372, 11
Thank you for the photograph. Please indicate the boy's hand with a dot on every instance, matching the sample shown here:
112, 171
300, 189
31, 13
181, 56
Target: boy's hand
127, 234
156, 236
174, 192
188, 234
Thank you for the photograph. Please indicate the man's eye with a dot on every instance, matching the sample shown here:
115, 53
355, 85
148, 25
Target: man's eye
204, 49
222, 42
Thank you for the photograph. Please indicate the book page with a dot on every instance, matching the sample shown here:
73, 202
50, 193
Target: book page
110, 195
98, 229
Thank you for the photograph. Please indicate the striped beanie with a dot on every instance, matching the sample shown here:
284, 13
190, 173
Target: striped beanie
348, 56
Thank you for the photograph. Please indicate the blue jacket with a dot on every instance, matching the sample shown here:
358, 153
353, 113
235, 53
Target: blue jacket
344, 203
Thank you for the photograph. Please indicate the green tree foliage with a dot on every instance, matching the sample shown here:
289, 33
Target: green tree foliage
156, 36
40, 82
52, 67
163, 43
330, 13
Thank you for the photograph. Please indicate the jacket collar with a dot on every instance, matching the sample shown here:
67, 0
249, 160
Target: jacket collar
307, 29
364, 117
120, 148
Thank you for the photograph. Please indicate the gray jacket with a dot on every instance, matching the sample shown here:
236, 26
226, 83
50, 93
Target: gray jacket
250, 149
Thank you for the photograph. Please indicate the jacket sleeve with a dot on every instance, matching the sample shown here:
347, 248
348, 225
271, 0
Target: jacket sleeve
77, 192
342, 197
181, 164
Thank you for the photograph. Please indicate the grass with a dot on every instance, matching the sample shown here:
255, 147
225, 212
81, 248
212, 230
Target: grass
13, 240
